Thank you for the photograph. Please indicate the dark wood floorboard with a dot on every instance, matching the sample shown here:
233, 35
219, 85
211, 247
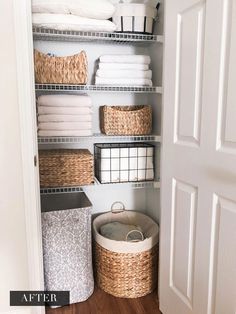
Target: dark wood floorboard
102, 303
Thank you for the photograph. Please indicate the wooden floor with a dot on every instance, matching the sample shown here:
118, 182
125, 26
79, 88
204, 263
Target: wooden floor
103, 303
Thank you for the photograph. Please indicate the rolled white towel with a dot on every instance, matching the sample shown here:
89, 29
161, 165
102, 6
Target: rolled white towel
143, 59
64, 118
123, 66
61, 100
122, 81
63, 126
69, 22
65, 133
124, 74
64, 110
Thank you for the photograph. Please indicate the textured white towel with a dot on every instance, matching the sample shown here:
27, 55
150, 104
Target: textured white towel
124, 74
122, 81
62, 100
64, 110
123, 66
69, 22
65, 133
143, 59
64, 118
94, 9
63, 126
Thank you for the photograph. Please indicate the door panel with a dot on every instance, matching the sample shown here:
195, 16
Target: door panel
198, 194
184, 200
189, 46
227, 95
223, 257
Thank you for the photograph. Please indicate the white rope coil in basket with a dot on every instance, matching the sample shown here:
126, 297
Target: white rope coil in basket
118, 213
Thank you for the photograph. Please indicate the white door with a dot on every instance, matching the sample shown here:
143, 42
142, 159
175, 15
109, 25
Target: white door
198, 192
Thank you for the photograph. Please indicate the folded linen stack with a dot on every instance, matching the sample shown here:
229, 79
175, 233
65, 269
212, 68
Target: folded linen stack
64, 115
74, 15
132, 70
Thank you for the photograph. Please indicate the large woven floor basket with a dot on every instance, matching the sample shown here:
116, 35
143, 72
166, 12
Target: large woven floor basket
126, 269
126, 120
61, 70
65, 167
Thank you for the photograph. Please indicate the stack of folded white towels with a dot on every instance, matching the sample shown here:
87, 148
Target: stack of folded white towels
74, 15
64, 115
132, 70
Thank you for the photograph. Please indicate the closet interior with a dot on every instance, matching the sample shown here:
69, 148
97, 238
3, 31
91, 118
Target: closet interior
142, 196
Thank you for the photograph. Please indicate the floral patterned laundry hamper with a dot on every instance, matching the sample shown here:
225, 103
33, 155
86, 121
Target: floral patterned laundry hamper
67, 252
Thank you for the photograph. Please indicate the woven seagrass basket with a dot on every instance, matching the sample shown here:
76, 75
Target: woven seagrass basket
126, 269
126, 120
60, 70
65, 167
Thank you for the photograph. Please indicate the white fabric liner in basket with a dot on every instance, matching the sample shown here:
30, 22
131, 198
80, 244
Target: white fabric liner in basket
148, 226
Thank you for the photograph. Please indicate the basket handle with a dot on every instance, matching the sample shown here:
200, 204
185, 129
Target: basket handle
119, 210
135, 230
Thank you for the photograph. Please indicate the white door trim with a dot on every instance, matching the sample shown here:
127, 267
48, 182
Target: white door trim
26, 100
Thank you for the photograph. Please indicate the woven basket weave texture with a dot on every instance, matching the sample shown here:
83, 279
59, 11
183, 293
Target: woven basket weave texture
66, 167
61, 70
126, 120
126, 275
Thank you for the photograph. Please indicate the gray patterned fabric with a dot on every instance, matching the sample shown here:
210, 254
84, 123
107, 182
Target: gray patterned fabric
67, 252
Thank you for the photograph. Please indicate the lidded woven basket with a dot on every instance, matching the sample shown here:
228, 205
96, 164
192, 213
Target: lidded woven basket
126, 269
126, 120
61, 70
65, 167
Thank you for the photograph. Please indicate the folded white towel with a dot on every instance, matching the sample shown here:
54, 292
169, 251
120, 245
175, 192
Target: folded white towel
94, 9
62, 100
143, 59
64, 118
64, 110
65, 133
123, 66
124, 74
65, 126
105, 164
123, 81
69, 22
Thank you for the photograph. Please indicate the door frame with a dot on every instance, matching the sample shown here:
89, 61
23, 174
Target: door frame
29, 151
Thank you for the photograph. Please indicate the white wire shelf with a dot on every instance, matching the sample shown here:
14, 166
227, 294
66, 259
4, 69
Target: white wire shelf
97, 88
133, 185
60, 190
99, 138
119, 38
